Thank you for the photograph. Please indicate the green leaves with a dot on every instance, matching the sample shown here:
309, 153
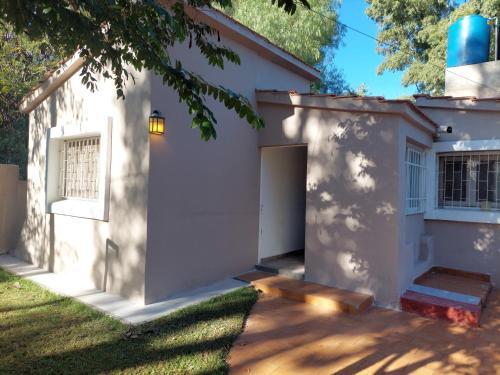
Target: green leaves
413, 36
304, 33
114, 35
23, 62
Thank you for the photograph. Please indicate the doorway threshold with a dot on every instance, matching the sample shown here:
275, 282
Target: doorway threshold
289, 264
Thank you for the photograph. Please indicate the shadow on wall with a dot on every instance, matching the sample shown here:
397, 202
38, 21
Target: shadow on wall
468, 246
120, 268
352, 198
37, 240
109, 254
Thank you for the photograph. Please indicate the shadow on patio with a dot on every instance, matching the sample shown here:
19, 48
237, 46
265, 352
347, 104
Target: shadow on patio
285, 337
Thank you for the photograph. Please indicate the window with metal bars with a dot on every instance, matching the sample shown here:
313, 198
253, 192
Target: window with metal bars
79, 168
415, 180
469, 180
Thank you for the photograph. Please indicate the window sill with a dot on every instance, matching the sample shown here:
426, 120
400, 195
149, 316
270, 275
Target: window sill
411, 213
78, 208
464, 215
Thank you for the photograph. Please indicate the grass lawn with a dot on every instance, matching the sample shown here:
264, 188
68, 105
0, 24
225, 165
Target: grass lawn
44, 333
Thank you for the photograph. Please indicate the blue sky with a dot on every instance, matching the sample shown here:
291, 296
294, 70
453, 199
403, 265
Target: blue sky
358, 57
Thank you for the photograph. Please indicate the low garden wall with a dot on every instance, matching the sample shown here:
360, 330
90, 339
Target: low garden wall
12, 206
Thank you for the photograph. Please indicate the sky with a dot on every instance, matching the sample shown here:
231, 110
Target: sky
358, 58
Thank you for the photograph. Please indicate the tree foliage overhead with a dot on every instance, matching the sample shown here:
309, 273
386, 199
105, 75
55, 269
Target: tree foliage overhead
23, 62
308, 35
304, 33
112, 35
413, 36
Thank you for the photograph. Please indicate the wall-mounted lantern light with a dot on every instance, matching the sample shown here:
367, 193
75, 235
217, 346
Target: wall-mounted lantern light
156, 123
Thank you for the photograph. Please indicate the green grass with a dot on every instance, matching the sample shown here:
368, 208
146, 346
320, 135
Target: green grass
43, 333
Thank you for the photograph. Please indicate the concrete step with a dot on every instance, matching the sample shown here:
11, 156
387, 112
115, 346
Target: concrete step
441, 308
338, 300
297, 274
457, 281
445, 293
457, 297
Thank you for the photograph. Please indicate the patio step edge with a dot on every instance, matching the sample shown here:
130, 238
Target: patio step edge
335, 299
441, 308
454, 296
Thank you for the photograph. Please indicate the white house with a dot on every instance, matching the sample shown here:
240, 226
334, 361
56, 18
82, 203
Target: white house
368, 188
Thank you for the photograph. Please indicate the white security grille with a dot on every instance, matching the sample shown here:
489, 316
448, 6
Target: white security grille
79, 169
469, 180
415, 180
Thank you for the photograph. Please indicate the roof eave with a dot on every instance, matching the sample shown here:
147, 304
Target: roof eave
354, 104
43, 90
235, 30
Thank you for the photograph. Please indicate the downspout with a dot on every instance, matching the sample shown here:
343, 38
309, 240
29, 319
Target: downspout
496, 30
497, 39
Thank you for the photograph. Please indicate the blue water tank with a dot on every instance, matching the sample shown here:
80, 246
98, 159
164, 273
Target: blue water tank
468, 41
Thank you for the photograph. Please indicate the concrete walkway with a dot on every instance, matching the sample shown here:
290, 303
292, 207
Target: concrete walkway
287, 337
118, 307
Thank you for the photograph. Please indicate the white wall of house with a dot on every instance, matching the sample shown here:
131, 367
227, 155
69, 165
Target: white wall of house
12, 206
282, 200
459, 241
481, 80
353, 205
182, 212
204, 196
94, 253
413, 231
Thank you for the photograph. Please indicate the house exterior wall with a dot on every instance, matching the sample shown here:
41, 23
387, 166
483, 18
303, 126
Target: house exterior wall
483, 80
204, 196
108, 255
12, 206
353, 207
414, 225
465, 245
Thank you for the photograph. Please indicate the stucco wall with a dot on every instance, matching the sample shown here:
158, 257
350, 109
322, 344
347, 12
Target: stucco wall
12, 206
353, 195
467, 246
483, 80
204, 196
282, 200
413, 224
108, 255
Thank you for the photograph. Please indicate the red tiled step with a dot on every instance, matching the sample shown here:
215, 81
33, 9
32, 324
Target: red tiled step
303, 291
441, 308
452, 280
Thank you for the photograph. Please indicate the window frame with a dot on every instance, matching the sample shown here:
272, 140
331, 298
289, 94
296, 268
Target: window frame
475, 182
461, 214
422, 185
97, 209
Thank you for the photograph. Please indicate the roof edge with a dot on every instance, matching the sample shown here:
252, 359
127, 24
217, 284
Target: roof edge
470, 103
258, 42
53, 81
217, 20
425, 121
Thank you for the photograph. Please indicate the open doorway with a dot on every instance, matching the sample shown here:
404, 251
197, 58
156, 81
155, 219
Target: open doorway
282, 210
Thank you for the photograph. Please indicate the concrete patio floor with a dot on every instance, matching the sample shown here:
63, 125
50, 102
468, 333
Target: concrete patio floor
286, 337
116, 306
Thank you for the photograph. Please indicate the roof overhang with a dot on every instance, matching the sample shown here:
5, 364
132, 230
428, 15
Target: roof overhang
226, 26
462, 103
353, 104
233, 29
52, 81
